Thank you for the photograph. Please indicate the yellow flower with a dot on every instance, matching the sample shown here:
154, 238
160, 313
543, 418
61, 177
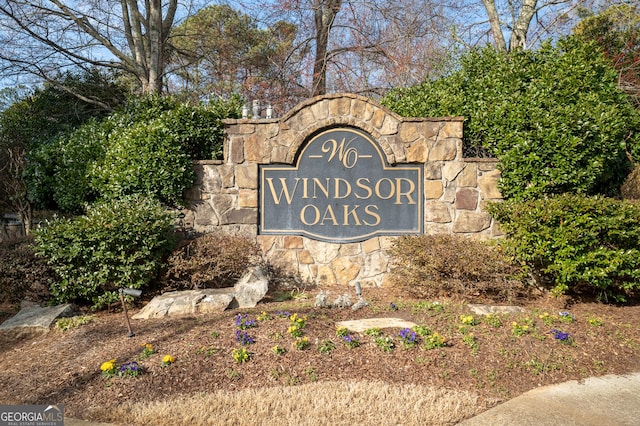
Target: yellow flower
168, 359
148, 346
108, 365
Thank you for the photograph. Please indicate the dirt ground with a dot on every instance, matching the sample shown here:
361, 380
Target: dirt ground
497, 358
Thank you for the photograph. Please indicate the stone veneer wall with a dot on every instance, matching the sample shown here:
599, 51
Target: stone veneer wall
225, 196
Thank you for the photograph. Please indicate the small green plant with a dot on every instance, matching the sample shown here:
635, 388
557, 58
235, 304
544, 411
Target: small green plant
214, 334
276, 335
408, 338
422, 330
207, 351
264, 316
241, 355
471, 341
167, 360
547, 319
434, 341
373, 332
566, 317
109, 368
312, 373
326, 346
130, 369
351, 341
519, 329
386, 344
278, 350
65, 324
147, 350
296, 325
468, 320
493, 320
595, 321
301, 343
342, 331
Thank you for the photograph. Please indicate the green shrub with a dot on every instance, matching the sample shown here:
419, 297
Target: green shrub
77, 151
211, 261
147, 147
437, 265
119, 243
199, 128
554, 117
144, 158
575, 242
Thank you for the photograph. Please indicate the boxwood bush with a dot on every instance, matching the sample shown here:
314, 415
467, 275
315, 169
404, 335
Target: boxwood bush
575, 243
120, 243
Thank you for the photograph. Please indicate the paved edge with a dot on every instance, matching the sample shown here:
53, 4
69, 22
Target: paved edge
598, 401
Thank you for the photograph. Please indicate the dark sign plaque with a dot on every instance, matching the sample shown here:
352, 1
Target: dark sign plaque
341, 190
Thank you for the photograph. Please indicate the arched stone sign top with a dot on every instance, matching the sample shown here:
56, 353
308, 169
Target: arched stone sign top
227, 195
341, 189
342, 110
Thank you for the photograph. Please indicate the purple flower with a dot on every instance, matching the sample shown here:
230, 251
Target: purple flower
133, 366
242, 321
349, 338
393, 306
408, 335
560, 335
243, 338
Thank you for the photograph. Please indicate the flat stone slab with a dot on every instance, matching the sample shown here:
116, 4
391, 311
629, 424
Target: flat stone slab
34, 319
187, 302
361, 325
489, 309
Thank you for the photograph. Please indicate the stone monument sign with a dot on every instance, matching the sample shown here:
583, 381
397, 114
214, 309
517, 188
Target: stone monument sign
341, 190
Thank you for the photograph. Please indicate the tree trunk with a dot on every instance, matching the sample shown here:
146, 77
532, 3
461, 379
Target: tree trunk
521, 27
494, 20
325, 12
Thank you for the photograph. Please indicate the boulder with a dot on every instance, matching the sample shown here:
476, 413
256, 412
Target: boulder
33, 320
187, 302
250, 289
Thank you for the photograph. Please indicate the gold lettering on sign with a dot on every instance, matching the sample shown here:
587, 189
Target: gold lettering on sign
347, 155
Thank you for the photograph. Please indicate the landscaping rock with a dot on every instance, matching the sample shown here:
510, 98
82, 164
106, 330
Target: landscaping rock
360, 326
488, 309
187, 302
250, 289
33, 320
